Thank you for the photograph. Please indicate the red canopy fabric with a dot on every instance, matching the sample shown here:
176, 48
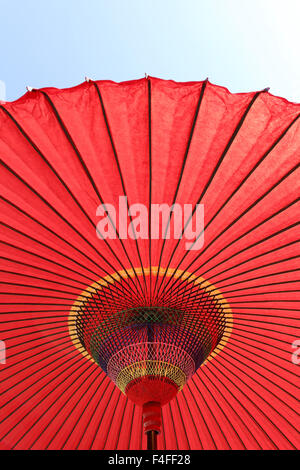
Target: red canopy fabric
63, 153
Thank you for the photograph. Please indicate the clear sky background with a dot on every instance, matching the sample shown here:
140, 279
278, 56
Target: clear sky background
241, 44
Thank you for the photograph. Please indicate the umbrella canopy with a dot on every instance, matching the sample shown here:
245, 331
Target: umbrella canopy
108, 314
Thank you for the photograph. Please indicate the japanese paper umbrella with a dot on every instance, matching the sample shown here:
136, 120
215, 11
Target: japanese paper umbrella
117, 331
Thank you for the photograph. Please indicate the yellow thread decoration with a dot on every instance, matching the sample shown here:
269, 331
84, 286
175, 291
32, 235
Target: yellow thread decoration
148, 369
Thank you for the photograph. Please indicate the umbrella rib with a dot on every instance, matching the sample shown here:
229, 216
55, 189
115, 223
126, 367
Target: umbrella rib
281, 309
233, 410
63, 218
55, 282
242, 406
74, 316
249, 208
15, 320
66, 345
30, 276
52, 404
111, 422
109, 132
131, 425
255, 257
275, 185
264, 301
237, 282
263, 285
261, 277
182, 421
173, 424
64, 266
34, 146
86, 296
88, 174
251, 230
22, 263
236, 338
93, 414
258, 373
236, 324
62, 327
258, 337
63, 406
45, 288
28, 265
223, 155
266, 293
51, 248
193, 272
290, 382
83, 164
32, 348
195, 287
80, 416
269, 330
240, 385
289, 227
258, 267
213, 414
150, 186
28, 399
272, 147
114, 391
247, 233
255, 245
193, 294
183, 394
254, 403
163, 431
200, 99
116, 446
269, 308
44, 368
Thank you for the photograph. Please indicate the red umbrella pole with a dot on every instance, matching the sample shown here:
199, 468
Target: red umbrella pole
152, 440
152, 423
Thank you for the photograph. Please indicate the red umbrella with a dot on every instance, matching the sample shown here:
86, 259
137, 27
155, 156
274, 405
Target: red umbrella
192, 321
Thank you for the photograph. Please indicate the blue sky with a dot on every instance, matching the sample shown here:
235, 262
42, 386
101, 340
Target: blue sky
242, 44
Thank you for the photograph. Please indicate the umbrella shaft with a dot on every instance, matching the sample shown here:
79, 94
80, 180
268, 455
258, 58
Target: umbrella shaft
151, 440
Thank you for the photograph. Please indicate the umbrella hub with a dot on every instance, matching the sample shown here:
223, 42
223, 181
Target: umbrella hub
151, 351
151, 371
